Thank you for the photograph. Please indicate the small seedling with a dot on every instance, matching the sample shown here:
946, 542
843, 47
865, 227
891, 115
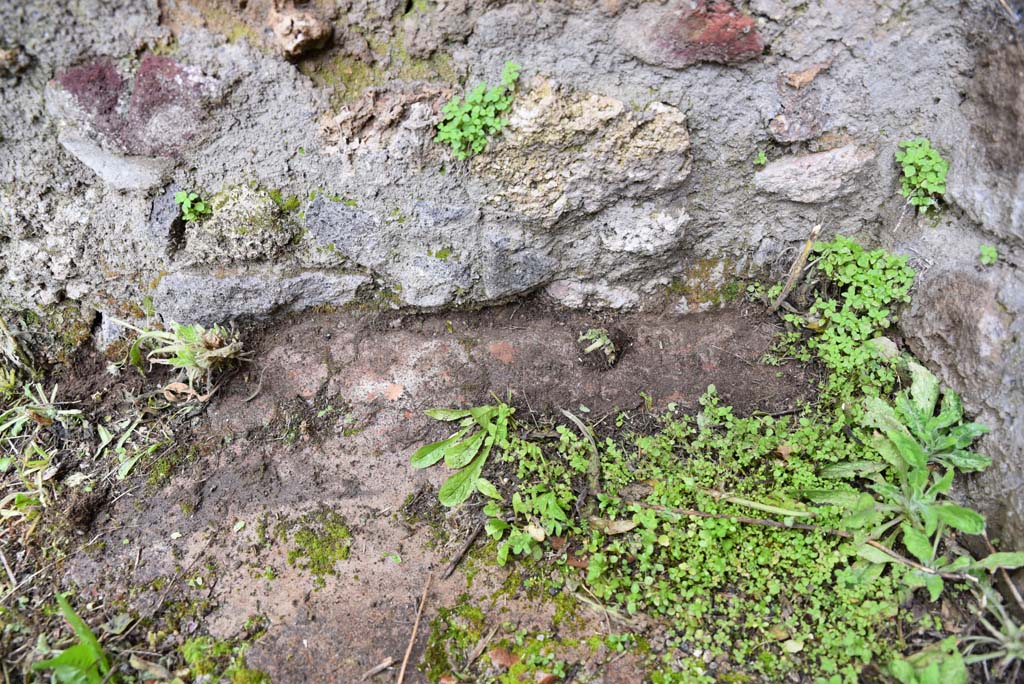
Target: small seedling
468, 123
466, 451
195, 351
192, 207
598, 339
988, 255
82, 663
761, 159
924, 173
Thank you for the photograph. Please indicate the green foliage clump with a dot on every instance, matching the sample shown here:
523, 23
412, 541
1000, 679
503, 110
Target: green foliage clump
988, 255
468, 122
765, 545
215, 660
859, 302
196, 352
321, 539
924, 173
82, 663
466, 451
192, 207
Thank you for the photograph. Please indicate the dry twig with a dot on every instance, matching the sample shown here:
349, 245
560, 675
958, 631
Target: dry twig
415, 628
796, 269
454, 562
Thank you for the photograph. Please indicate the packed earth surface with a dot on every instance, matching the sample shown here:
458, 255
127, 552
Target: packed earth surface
715, 307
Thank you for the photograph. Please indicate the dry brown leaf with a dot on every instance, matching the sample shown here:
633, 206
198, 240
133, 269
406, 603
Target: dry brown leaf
612, 527
502, 657
542, 677
577, 562
154, 670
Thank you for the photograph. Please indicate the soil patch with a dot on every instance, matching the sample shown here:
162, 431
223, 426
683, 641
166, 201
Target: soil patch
325, 420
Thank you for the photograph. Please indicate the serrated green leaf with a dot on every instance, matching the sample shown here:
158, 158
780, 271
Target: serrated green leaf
966, 434
966, 461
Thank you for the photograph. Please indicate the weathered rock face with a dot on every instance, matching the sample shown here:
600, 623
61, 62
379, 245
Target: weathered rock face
987, 179
572, 154
817, 177
129, 138
627, 163
969, 323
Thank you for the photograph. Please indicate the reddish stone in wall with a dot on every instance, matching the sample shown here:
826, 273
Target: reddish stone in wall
96, 89
682, 33
165, 106
157, 115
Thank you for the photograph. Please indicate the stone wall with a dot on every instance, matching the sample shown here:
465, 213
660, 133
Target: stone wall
626, 174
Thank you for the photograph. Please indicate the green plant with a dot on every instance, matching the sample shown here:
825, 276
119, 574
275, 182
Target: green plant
924, 173
8, 383
196, 352
1002, 637
942, 437
938, 663
466, 451
82, 663
467, 123
761, 159
192, 207
37, 410
599, 339
988, 255
216, 660
540, 513
858, 303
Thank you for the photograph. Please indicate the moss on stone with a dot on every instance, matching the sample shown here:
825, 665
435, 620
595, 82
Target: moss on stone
707, 283
453, 634
320, 539
350, 76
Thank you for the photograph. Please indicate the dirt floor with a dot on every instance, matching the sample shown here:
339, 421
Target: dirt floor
321, 424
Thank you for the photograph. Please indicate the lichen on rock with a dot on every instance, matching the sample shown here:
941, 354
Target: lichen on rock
568, 152
246, 225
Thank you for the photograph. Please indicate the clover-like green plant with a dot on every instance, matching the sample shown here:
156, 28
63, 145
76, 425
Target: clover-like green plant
988, 255
192, 207
863, 289
468, 122
480, 430
924, 173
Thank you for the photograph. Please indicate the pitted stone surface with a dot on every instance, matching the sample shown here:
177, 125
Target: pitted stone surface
570, 153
